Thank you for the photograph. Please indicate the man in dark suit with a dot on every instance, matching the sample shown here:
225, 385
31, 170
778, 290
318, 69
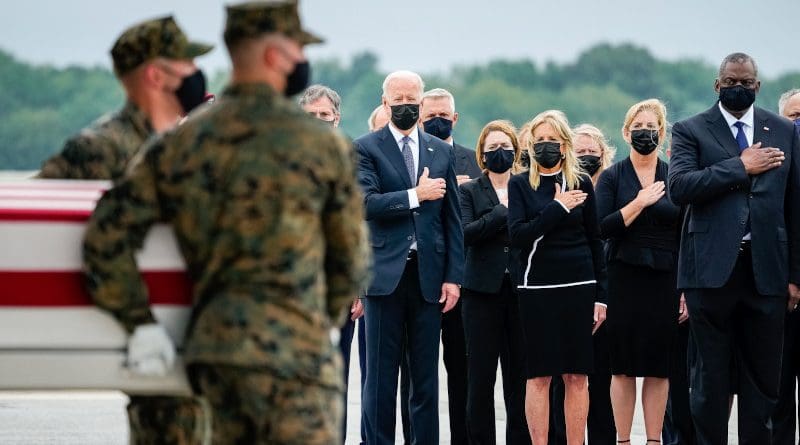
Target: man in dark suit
737, 168
439, 117
412, 209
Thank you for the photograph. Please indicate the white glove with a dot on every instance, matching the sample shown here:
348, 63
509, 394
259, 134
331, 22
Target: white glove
150, 351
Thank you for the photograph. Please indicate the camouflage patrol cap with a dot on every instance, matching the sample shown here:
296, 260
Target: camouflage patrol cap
252, 19
154, 38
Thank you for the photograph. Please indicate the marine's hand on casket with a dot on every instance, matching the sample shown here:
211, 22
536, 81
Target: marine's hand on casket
150, 351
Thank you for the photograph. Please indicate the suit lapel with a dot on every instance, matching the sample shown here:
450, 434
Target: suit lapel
718, 127
426, 153
760, 128
392, 152
486, 184
761, 134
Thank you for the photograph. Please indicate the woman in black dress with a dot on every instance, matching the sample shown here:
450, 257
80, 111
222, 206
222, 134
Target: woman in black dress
489, 302
559, 275
641, 225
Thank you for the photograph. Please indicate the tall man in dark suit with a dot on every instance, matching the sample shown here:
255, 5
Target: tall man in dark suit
737, 168
439, 117
411, 201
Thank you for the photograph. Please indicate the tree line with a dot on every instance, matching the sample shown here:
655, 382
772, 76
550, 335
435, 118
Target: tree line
40, 106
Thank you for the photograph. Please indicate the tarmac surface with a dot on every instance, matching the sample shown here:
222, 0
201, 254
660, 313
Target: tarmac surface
98, 417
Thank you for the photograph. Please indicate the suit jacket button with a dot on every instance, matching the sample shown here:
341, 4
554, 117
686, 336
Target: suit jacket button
751, 196
416, 213
410, 238
505, 249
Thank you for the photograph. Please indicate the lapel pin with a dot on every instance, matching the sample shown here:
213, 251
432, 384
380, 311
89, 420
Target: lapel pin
766, 128
430, 149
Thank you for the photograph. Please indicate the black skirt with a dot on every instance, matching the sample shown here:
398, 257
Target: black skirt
557, 328
642, 319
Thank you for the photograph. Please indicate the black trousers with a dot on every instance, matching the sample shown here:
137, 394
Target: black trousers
678, 428
454, 356
492, 330
735, 319
784, 420
600, 422
390, 318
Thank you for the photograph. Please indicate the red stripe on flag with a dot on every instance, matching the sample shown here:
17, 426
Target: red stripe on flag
44, 215
52, 288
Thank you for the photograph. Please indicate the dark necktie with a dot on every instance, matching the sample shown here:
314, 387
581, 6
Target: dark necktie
408, 157
741, 139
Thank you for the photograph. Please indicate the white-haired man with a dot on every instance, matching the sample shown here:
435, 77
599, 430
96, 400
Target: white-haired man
412, 209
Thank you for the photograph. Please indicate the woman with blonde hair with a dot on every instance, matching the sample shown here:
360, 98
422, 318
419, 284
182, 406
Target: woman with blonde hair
594, 152
559, 275
489, 301
641, 226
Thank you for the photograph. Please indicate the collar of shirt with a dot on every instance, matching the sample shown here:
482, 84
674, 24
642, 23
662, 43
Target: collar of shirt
398, 137
747, 118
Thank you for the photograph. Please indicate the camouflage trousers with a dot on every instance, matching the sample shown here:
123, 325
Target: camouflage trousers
162, 420
252, 406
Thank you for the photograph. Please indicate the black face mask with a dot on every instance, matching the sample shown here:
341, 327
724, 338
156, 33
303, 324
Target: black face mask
297, 80
498, 161
404, 116
438, 126
590, 163
547, 154
644, 141
737, 97
192, 91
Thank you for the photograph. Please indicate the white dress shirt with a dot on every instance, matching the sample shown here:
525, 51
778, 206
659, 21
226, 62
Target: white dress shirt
413, 144
747, 119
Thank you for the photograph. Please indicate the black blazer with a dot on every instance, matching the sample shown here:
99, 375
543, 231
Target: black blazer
652, 239
466, 164
485, 236
706, 174
392, 224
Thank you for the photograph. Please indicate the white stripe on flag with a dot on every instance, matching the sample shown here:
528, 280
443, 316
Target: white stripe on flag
57, 246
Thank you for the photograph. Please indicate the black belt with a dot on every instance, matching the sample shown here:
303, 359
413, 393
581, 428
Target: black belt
412, 255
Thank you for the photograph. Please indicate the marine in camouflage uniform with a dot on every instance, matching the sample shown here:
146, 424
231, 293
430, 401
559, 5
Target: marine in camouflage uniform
268, 216
103, 151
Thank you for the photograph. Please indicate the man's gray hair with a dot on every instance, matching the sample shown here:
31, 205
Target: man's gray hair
440, 93
785, 98
737, 58
315, 92
403, 74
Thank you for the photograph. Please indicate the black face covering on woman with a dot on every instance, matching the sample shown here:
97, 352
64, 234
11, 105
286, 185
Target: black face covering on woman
644, 141
498, 161
590, 163
547, 154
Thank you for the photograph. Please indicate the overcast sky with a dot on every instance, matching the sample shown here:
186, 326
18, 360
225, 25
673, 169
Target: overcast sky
431, 35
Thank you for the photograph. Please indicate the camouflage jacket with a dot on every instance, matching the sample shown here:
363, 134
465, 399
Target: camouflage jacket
267, 213
103, 150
